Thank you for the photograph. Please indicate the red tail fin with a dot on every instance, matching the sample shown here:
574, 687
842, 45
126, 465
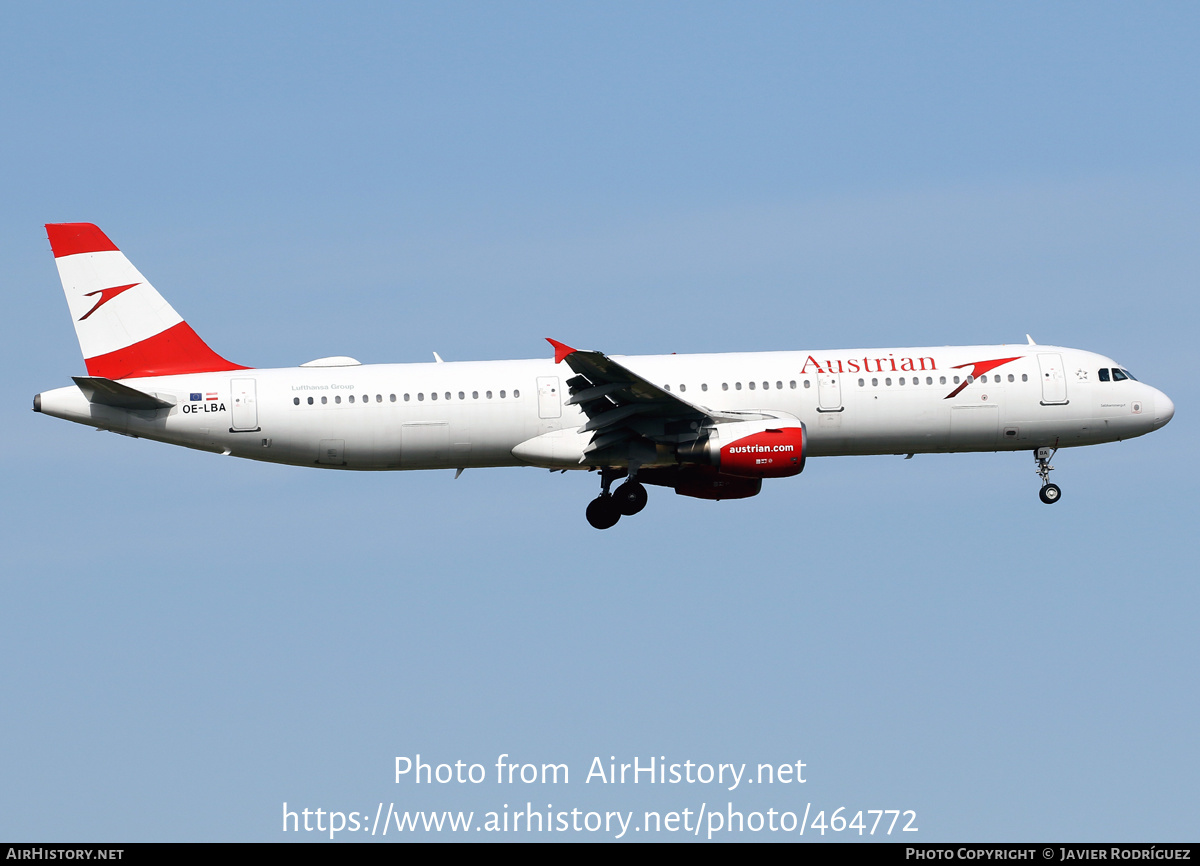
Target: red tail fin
124, 326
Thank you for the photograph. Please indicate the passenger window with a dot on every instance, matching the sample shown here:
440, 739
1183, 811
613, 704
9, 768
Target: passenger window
489, 395
683, 387
324, 400
432, 396
351, 398
807, 384
861, 383
447, 395
393, 397
901, 380
888, 380
792, 384
474, 395
501, 395
516, 393
724, 386
668, 387
421, 396
703, 386
928, 380
405, 398
766, 386
955, 380
874, 383
378, 398
461, 395
941, 380
1103, 374
296, 401
1024, 377
310, 401
737, 386
751, 386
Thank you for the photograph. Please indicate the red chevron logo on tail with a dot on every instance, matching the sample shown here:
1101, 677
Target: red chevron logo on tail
106, 295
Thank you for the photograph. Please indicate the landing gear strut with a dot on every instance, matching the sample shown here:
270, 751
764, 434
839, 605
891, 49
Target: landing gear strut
606, 509
1050, 493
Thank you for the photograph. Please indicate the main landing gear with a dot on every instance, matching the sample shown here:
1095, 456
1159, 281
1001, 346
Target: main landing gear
606, 509
1050, 493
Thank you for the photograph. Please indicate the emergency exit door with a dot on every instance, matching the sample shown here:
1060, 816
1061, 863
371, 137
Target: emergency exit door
549, 398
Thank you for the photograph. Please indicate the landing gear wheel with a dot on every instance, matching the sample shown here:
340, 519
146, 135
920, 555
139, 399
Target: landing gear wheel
630, 498
1050, 494
602, 512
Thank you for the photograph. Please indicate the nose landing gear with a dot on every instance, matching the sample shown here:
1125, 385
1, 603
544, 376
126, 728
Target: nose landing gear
606, 509
1050, 493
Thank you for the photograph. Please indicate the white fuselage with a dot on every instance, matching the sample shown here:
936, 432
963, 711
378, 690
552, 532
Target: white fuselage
475, 413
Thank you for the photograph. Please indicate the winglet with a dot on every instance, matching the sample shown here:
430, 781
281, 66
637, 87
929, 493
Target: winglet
561, 350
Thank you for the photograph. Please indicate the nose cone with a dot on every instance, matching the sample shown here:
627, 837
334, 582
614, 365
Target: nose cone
1164, 409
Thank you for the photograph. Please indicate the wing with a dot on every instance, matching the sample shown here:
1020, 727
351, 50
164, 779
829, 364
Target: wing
627, 414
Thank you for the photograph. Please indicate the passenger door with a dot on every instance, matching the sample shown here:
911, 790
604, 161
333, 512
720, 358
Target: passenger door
1054, 379
245, 406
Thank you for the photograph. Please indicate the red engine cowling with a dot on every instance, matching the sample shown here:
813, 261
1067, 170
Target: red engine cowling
776, 452
752, 449
705, 482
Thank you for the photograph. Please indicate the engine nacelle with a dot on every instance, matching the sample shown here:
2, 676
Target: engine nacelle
705, 482
773, 448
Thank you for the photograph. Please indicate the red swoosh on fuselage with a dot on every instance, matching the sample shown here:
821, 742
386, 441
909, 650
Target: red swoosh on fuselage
978, 368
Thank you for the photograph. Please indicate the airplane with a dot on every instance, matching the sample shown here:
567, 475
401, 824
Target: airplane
710, 426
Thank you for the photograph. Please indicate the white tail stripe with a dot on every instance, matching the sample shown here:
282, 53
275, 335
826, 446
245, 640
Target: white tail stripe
128, 317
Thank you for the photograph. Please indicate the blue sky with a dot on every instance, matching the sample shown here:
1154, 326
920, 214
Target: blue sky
191, 641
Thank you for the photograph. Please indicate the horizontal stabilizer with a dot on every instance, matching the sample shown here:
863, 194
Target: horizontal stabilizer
106, 392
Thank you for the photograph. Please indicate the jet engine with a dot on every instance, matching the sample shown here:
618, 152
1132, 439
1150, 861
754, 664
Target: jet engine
771, 448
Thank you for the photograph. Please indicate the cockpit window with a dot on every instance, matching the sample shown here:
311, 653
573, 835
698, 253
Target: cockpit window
1118, 374
1130, 375
1104, 374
